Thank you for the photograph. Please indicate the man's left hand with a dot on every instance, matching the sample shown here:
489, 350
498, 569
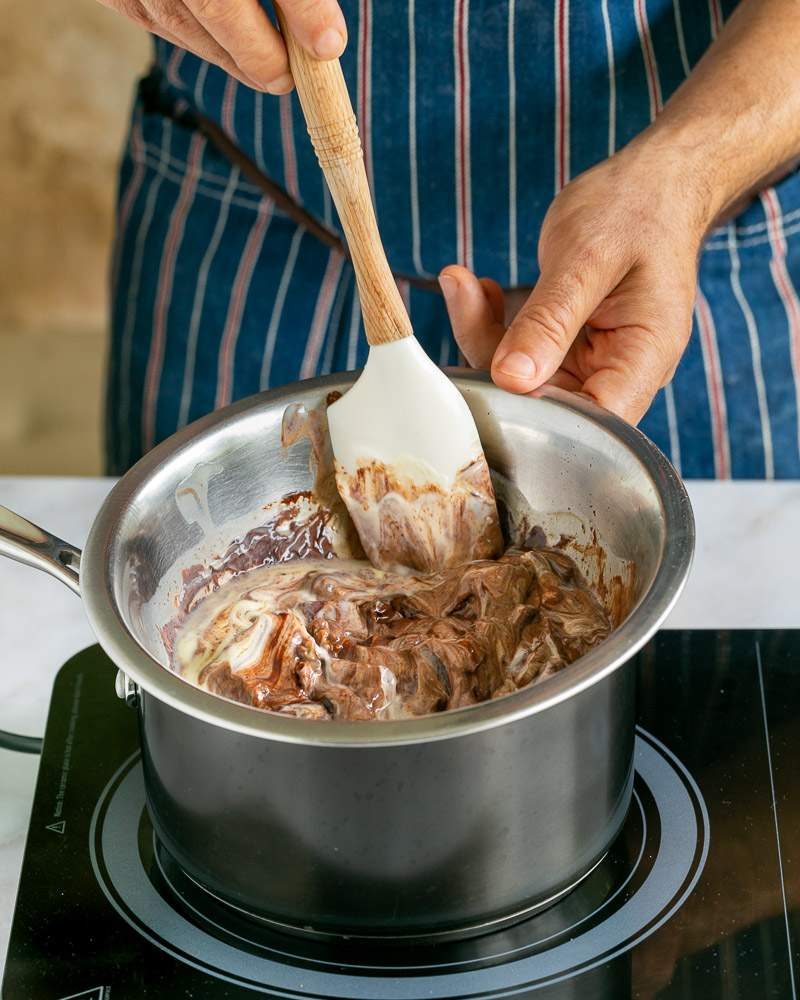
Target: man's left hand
611, 313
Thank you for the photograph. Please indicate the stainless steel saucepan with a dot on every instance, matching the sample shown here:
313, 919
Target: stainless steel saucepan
448, 824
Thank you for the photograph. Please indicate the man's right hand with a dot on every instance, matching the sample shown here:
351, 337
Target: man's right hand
238, 36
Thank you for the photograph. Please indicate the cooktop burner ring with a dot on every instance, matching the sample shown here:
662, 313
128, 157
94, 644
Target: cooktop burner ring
159, 851
623, 919
367, 940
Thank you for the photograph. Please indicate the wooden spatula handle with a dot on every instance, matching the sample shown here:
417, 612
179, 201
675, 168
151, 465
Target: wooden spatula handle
334, 133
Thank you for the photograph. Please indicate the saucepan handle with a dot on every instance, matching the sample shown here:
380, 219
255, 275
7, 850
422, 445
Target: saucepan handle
29, 544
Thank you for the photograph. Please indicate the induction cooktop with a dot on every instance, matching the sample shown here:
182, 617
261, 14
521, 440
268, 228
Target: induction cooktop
699, 897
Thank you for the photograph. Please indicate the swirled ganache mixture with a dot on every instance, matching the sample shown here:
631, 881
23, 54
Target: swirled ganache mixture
287, 622
339, 639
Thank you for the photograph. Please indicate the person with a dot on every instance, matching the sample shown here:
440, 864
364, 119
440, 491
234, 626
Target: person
616, 178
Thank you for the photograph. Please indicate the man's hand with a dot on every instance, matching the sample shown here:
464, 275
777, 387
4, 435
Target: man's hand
238, 36
612, 311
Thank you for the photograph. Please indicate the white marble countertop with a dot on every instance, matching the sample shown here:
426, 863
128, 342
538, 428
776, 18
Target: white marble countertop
745, 532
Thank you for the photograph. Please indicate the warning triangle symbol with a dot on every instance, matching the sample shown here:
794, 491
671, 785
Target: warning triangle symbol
97, 993
59, 828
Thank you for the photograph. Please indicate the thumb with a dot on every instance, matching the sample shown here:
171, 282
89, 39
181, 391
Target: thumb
564, 298
319, 26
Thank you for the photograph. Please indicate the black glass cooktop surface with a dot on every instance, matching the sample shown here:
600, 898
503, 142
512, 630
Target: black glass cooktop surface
698, 898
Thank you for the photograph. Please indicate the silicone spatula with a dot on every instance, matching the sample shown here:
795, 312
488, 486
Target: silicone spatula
409, 462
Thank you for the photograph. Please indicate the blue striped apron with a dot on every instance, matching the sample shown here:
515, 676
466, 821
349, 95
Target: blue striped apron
473, 115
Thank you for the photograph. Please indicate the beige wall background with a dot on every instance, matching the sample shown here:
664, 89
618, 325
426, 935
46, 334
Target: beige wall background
67, 71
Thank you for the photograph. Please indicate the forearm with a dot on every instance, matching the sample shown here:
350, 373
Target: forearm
735, 123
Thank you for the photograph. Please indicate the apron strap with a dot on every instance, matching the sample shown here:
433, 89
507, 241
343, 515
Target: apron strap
282, 199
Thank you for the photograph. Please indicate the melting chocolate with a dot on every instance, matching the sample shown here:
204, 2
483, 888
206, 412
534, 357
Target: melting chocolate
341, 639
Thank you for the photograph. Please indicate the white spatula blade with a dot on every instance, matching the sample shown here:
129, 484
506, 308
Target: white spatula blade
405, 412
410, 466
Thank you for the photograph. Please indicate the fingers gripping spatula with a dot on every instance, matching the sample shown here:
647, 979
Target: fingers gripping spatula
409, 463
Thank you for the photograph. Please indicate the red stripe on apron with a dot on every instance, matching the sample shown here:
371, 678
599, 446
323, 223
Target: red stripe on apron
653, 84
562, 93
463, 195
716, 17
785, 286
241, 286
716, 389
322, 315
129, 197
365, 84
166, 274
228, 105
173, 65
288, 148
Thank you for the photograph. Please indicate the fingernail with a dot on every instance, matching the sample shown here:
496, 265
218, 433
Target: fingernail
448, 285
329, 44
281, 85
515, 364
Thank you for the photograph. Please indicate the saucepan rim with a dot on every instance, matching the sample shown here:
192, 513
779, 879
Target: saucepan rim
150, 675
